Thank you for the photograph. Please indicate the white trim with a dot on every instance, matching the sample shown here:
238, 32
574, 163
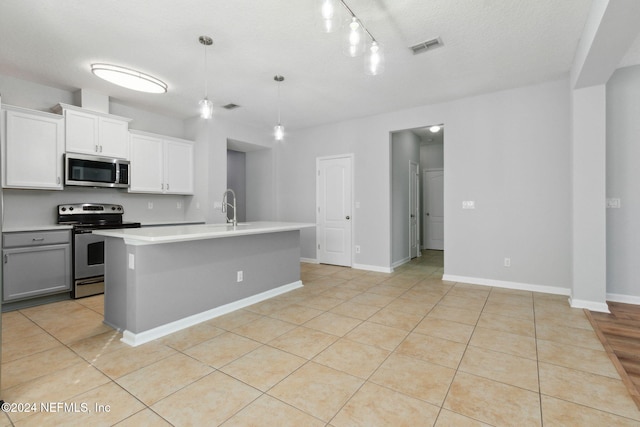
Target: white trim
309, 260
589, 305
401, 262
432, 170
627, 299
134, 339
372, 268
508, 285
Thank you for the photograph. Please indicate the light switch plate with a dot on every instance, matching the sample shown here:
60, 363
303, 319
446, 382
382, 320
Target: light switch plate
613, 203
468, 204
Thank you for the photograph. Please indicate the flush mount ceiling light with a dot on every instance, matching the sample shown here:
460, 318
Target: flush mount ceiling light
206, 106
356, 37
278, 130
131, 79
435, 129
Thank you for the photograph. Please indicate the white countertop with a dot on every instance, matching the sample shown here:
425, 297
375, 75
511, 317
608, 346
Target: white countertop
183, 233
16, 228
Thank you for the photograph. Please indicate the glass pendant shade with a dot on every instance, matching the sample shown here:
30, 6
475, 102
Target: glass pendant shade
206, 108
374, 59
329, 14
355, 38
278, 131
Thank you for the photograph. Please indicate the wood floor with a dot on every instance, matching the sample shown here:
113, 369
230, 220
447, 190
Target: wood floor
620, 335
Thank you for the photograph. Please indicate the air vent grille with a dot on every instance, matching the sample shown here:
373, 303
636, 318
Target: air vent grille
425, 46
230, 106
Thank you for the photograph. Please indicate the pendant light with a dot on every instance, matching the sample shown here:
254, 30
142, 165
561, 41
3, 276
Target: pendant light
278, 130
328, 12
374, 59
355, 37
206, 106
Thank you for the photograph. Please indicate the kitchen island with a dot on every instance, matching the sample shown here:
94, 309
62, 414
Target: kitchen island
159, 280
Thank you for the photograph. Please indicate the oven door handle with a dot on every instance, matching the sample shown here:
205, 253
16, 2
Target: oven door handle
91, 281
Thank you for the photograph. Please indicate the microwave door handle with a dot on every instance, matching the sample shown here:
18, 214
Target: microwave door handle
117, 173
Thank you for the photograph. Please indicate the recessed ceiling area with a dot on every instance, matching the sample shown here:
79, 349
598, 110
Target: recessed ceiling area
488, 45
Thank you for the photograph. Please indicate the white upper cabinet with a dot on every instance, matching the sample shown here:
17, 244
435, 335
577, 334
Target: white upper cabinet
100, 134
178, 167
161, 164
32, 149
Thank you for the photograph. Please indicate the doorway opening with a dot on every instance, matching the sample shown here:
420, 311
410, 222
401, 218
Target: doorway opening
417, 194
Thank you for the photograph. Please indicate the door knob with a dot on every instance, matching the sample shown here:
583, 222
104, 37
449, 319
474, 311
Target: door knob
348, 217
427, 214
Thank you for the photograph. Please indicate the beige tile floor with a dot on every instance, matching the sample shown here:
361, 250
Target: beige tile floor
350, 348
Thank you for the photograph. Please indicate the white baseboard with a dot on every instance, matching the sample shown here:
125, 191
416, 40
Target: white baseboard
399, 263
589, 305
376, 268
135, 339
309, 260
508, 285
627, 299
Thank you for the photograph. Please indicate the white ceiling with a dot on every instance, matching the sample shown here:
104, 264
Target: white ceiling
488, 45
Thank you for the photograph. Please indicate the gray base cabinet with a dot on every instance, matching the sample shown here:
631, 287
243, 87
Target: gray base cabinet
35, 264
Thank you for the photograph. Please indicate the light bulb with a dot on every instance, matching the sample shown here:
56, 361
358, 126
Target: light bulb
354, 35
206, 108
327, 9
278, 131
434, 129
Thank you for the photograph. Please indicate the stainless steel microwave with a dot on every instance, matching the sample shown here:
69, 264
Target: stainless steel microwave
92, 171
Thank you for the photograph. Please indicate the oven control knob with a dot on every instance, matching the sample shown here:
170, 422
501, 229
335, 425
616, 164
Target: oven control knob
71, 208
63, 209
119, 208
113, 208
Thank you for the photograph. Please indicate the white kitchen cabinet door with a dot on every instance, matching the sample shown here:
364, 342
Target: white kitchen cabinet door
81, 132
147, 164
178, 167
92, 133
32, 149
113, 138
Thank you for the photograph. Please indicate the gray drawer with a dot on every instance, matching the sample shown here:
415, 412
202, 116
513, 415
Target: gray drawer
35, 238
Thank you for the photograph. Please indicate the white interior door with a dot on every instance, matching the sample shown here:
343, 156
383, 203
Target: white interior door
433, 200
414, 218
334, 194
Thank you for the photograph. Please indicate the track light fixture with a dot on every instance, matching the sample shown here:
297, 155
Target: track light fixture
356, 36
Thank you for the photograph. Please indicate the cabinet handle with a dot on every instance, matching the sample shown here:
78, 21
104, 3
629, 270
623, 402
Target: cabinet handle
58, 180
167, 186
97, 148
162, 186
101, 148
38, 239
6, 258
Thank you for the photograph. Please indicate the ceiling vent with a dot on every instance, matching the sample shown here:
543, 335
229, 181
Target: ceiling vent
231, 106
425, 46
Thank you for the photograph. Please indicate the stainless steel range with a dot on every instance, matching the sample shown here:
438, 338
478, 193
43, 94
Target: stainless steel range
88, 249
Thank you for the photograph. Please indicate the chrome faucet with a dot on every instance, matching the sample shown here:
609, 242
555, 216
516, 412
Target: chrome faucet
225, 204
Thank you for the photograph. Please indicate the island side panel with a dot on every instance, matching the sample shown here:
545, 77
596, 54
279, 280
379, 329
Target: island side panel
174, 280
115, 278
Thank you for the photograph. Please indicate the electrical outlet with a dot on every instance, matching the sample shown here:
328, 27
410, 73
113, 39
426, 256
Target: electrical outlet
132, 262
357, 249
507, 262
613, 203
468, 204
217, 205
239, 276
150, 205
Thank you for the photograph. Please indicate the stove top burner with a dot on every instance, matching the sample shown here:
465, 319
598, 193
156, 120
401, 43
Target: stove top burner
93, 216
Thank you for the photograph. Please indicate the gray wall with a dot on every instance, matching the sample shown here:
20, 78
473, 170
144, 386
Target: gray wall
623, 182
431, 156
237, 181
405, 148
